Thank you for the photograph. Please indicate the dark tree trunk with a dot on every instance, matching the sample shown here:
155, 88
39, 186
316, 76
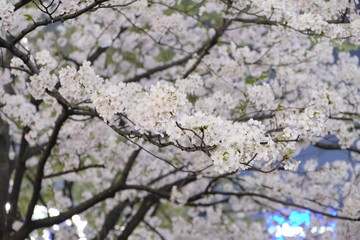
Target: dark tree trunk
4, 173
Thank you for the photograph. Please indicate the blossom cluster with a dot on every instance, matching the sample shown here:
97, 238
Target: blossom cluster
6, 15
267, 79
166, 110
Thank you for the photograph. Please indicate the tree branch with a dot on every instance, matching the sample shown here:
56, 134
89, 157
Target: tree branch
111, 220
75, 170
244, 194
4, 172
20, 54
41, 164
100, 50
47, 222
60, 18
19, 174
20, 4
150, 72
145, 206
212, 42
128, 167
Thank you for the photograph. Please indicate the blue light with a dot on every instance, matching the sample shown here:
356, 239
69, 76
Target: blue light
297, 218
278, 219
282, 225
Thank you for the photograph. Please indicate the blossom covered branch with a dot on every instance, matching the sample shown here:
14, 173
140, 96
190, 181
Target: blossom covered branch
139, 116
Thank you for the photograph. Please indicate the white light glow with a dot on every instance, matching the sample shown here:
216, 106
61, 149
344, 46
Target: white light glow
321, 229
46, 234
7, 207
40, 212
34, 236
288, 231
76, 219
53, 212
24, 41
80, 225
56, 227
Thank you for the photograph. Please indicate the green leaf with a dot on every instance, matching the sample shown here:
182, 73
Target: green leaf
346, 47
130, 56
251, 80
201, 128
289, 152
55, 150
190, 7
329, 100
169, 12
53, 113
192, 98
280, 137
28, 17
264, 76
280, 107
210, 20
165, 55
